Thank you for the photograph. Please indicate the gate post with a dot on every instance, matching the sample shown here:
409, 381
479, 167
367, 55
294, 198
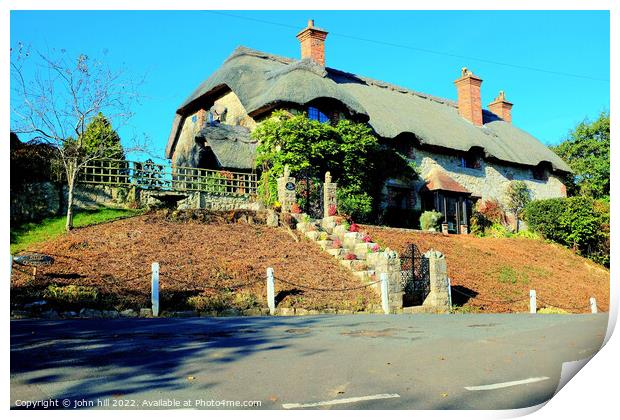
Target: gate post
387, 265
286, 190
439, 295
271, 292
329, 195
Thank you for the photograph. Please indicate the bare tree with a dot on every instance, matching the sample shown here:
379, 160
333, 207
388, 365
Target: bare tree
54, 97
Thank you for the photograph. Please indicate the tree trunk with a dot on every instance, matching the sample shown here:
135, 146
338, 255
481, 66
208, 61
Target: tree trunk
69, 224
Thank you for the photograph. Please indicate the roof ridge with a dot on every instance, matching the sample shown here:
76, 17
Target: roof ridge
242, 50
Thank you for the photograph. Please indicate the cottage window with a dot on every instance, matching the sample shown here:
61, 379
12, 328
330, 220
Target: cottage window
539, 173
400, 198
471, 162
316, 115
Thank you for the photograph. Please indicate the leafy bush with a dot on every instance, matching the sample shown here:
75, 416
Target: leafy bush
355, 204
497, 230
430, 220
72, 295
486, 214
576, 222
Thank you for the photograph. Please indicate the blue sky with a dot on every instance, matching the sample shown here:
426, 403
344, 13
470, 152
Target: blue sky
178, 50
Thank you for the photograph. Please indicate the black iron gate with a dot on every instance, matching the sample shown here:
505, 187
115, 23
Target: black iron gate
414, 276
310, 192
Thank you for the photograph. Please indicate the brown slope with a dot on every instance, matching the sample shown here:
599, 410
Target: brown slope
506, 269
116, 258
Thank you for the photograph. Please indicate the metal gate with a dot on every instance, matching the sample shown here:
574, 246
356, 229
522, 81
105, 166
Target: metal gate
310, 192
414, 276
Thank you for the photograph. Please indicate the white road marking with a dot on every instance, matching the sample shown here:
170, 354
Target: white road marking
506, 384
341, 401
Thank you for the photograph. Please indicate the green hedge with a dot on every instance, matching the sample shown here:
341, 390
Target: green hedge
580, 223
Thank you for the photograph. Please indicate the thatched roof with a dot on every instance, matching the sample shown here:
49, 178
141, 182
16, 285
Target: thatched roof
231, 144
263, 80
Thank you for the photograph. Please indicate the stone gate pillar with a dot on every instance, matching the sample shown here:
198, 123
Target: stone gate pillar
329, 195
439, 296
388, 262
286, 191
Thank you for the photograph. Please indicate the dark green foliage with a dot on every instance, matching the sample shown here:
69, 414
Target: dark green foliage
32, 162
518, 196
580, 223
350, 151
101, 140
586, 150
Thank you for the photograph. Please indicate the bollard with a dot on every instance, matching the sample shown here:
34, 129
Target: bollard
593, 305
384, 294
450, 293
271, 288
532, 301
155, 288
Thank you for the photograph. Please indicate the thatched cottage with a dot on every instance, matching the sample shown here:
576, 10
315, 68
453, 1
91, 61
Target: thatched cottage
464, 152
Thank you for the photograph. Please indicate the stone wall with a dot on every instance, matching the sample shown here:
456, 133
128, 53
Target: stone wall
488, 182
36, 201
201, 200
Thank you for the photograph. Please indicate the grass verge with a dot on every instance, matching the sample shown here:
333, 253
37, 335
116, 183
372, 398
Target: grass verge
27, 234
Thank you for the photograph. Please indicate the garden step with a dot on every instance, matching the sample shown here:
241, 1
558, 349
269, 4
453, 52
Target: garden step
358, 265
364, 246
362, 275
336, 252
312, 234
325, 244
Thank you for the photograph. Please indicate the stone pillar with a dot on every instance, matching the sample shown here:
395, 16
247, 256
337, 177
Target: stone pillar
329, 195
439, 296
286, 191
388, 262
464, 230
444, 228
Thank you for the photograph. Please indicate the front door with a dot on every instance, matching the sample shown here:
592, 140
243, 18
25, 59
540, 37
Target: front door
453, 213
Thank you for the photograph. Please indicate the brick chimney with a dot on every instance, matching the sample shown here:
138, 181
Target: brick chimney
312, 42
468, 93
501, 107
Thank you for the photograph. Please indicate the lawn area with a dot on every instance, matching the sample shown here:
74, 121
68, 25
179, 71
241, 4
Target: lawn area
25, 235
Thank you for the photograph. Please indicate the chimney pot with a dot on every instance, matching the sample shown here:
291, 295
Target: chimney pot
312, 42
468, 96
501, 107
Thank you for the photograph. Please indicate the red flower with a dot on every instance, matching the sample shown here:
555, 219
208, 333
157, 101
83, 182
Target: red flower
354, 228
350, 256
331, 210
367, 238
295, 208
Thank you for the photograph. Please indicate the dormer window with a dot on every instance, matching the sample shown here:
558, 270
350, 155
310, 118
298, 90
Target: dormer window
471, 162
539, 173
316, 115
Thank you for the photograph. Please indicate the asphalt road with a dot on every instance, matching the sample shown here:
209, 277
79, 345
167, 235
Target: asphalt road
493, 361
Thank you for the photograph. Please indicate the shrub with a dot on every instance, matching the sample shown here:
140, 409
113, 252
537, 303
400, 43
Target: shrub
376, 248
576, 222
353, 203
323, 236
497, 230
430, 220
222, 300
71, 294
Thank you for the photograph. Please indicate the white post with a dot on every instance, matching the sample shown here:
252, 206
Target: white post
271, 288
532, 301
155, 288
593, 305
384, 293
450, 293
